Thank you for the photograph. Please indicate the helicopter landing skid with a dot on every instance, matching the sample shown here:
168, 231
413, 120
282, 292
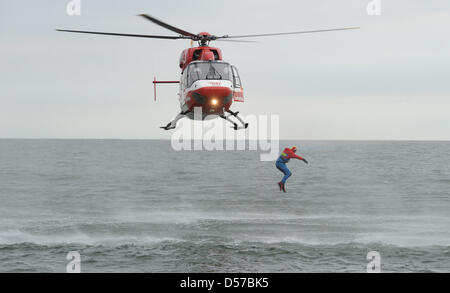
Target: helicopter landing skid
235, 125
172, 124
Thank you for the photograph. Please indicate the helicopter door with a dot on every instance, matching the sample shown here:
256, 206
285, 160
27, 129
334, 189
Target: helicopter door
238, 91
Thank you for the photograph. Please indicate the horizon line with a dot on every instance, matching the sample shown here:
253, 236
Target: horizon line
283, 139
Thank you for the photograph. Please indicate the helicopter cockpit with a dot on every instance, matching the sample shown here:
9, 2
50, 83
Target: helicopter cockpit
210, 70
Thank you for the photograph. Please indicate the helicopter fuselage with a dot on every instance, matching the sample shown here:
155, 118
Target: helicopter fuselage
213, 96
207, 82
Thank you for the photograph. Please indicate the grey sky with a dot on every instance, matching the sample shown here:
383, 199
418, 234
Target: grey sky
389, 80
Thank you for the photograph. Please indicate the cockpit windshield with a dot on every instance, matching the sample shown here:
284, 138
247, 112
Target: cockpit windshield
209, 70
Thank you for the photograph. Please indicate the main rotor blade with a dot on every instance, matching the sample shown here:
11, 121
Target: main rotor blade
124, 35
236, 41
167, 26
291, 33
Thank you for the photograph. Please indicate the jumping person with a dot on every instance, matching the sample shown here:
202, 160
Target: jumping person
286, 155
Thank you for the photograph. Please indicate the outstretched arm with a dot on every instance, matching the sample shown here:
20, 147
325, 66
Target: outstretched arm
301, 158
294, 156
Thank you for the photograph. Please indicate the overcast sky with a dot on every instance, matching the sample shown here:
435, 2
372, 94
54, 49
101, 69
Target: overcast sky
388, 80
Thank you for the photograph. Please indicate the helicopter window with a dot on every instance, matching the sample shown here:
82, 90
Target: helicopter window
216, 55
236, 79
183, 79
196, 54
208, 71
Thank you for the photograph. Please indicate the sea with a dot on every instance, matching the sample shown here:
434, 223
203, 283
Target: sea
141, 206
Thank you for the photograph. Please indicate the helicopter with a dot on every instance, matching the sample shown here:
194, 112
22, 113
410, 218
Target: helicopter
207, 81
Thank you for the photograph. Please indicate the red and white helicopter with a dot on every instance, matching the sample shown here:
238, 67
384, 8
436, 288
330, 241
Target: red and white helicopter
206, 80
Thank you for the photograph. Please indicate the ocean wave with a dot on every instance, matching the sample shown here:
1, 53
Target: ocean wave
18, 237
